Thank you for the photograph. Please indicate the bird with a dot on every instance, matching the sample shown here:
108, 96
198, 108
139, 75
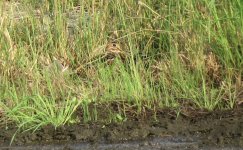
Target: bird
113, 50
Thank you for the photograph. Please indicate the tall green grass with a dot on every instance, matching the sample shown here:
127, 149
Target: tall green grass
177, 52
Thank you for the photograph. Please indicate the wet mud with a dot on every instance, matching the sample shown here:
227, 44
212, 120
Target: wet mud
211, 130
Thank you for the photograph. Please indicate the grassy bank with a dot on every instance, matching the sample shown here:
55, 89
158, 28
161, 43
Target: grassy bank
151, 54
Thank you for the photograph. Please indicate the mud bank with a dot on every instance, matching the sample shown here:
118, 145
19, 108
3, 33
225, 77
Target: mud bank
216, 130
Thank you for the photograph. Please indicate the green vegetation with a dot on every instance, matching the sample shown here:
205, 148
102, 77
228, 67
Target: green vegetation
137, 55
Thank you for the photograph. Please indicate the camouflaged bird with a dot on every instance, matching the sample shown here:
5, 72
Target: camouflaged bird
115, 49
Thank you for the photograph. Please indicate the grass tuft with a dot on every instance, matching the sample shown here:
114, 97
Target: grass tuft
58, 56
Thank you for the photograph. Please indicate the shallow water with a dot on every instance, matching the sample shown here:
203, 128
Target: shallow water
169, 143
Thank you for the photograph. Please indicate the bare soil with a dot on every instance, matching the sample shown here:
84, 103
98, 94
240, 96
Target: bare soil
218, 129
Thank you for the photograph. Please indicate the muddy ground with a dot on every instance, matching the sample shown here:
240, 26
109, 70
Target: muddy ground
219, 129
